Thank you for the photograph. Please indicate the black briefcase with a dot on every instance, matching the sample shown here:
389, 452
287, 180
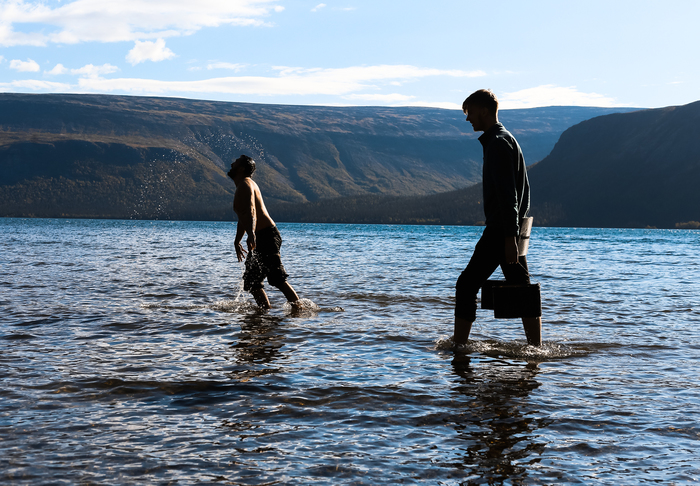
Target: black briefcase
509, 301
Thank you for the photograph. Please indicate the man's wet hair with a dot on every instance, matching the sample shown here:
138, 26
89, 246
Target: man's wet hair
248, 165
483, 98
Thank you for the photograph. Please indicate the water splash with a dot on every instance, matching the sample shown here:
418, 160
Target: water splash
238, 304
234, 306
167, 168
224, 147
511, 349
157, 175
306, 307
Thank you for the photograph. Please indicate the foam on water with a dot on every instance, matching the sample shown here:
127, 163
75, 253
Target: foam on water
549, 350
305, 307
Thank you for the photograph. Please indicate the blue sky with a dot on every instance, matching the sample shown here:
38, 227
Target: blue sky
357, 52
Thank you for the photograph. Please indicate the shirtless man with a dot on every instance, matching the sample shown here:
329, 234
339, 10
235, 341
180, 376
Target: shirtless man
264, 239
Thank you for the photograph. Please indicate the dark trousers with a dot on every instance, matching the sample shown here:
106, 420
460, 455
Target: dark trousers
488, 255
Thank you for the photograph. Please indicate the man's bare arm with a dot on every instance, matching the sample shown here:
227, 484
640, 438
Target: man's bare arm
240, 252
244, 206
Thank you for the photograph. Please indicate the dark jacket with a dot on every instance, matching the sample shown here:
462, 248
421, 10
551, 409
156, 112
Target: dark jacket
505, 184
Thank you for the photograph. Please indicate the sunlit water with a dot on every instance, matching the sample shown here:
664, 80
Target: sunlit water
130, 355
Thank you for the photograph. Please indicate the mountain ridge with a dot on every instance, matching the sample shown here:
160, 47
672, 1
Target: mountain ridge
166, 158
630, 170
637, 169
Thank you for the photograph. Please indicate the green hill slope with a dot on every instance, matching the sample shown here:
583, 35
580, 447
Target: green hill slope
621, 170
138, 157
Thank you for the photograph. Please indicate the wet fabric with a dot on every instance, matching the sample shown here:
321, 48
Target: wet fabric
265, 261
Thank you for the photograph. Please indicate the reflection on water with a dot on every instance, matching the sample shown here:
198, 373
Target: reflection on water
497, 431
259, 344
130, 355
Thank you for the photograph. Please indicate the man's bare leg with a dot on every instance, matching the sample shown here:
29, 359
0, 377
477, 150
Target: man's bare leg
261, 298
533, 330
462, 329
290, 294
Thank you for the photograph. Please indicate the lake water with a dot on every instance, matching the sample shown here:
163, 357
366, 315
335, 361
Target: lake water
130, 355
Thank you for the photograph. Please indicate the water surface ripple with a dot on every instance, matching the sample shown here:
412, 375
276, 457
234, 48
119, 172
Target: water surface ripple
130, 355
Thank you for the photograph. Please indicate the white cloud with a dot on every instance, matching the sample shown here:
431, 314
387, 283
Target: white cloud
396, 99
28, 66
446, 105
149, 51
251, 85
9, 38
356, 83
318, 7
290, 81
360, 74
35, 85
551, 95
124, 20
383, 98
225, 65
58, 69
94, 72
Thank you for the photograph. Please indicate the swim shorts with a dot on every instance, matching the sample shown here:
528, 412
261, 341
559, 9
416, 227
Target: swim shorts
264, 261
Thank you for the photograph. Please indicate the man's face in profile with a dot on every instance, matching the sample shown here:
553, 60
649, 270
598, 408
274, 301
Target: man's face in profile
476, 115
236, 166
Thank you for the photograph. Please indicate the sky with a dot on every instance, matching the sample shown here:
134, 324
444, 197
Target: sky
434, 53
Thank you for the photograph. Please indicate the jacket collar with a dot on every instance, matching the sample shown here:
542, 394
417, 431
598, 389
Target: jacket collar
489, 134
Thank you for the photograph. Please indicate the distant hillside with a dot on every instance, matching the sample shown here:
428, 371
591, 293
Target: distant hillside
138, 157
622, 170
458, 207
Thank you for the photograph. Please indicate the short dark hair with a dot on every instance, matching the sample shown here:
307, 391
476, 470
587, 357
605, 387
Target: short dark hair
248, 165
483, 98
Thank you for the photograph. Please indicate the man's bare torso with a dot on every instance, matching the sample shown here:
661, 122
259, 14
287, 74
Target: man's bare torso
248, 196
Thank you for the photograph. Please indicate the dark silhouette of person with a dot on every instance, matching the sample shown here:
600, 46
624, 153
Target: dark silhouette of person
264, 239
506, 196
